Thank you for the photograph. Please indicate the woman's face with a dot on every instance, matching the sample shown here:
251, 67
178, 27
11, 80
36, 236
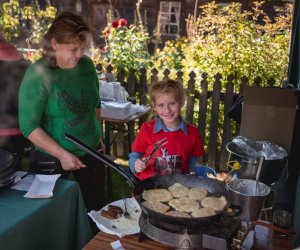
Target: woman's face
168, 109
67, 55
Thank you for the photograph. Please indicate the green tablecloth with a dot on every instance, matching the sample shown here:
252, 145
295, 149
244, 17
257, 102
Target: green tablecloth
55, 223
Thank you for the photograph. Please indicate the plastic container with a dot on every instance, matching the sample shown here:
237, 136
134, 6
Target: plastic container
247, 153
202, 171
282, 218
115, 110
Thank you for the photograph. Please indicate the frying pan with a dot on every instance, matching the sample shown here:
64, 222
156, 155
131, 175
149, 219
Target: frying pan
165, 181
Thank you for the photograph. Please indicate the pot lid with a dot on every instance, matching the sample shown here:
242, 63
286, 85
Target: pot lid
252, 149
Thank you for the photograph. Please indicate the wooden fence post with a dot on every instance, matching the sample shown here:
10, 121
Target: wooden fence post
131, 86
214, 122
190, 103
271, 82
227, 128
121, 78
154, 77
179, 76
143, 87
166, 74
203, 95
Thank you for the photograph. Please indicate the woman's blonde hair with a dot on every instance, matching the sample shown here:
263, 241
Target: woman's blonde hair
66, 28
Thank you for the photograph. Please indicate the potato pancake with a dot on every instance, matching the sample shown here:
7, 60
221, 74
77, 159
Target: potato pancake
184, 204
203, 212
216, 203
158, 195
178, 190
156, 206
197, 193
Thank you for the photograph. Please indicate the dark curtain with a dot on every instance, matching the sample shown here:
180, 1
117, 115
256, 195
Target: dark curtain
294, 66
293, 77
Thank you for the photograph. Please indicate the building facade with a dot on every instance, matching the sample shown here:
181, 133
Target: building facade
167, 17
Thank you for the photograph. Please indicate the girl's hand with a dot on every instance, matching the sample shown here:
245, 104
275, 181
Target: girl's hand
70, 162
139, 166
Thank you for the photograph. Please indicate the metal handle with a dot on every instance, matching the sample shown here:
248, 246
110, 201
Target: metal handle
92, 152
260, 163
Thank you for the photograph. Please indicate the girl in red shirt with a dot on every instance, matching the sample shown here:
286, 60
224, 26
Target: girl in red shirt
184, 145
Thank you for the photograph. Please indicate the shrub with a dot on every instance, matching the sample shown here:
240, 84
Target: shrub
14, 19
226, 41
126, 47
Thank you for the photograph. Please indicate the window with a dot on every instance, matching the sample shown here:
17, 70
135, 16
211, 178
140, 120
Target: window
169, 17
223, 5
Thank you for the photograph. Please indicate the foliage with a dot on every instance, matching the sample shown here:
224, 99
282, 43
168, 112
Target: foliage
30, 18
9, 19
41, 22
227, 41
172, 55
126, 46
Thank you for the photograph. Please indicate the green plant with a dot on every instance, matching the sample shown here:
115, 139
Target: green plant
40, 22
9, 19
171, 55
227, 41
126, 46
15, 19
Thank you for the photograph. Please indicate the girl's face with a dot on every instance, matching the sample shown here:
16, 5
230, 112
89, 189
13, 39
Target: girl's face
168, 109
67, 55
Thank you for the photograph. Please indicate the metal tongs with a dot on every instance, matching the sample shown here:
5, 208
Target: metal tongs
126, 214
157, 145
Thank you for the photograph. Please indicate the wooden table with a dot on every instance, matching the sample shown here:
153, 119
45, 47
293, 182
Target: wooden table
129, 121
102, 242
265, 239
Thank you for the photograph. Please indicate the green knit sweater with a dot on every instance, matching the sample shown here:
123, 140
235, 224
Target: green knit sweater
61, 101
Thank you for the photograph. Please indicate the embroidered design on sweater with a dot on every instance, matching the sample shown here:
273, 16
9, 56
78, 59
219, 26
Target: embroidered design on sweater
79, 107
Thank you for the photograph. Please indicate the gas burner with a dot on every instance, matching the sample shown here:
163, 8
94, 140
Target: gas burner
223, 233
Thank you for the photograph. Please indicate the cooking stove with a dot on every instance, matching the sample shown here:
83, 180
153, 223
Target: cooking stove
223, 233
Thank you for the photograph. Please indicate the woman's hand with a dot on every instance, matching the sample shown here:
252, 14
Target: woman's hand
139, 166
70, 162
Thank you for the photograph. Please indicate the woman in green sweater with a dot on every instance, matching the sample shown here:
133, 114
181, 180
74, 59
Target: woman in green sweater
60, 94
